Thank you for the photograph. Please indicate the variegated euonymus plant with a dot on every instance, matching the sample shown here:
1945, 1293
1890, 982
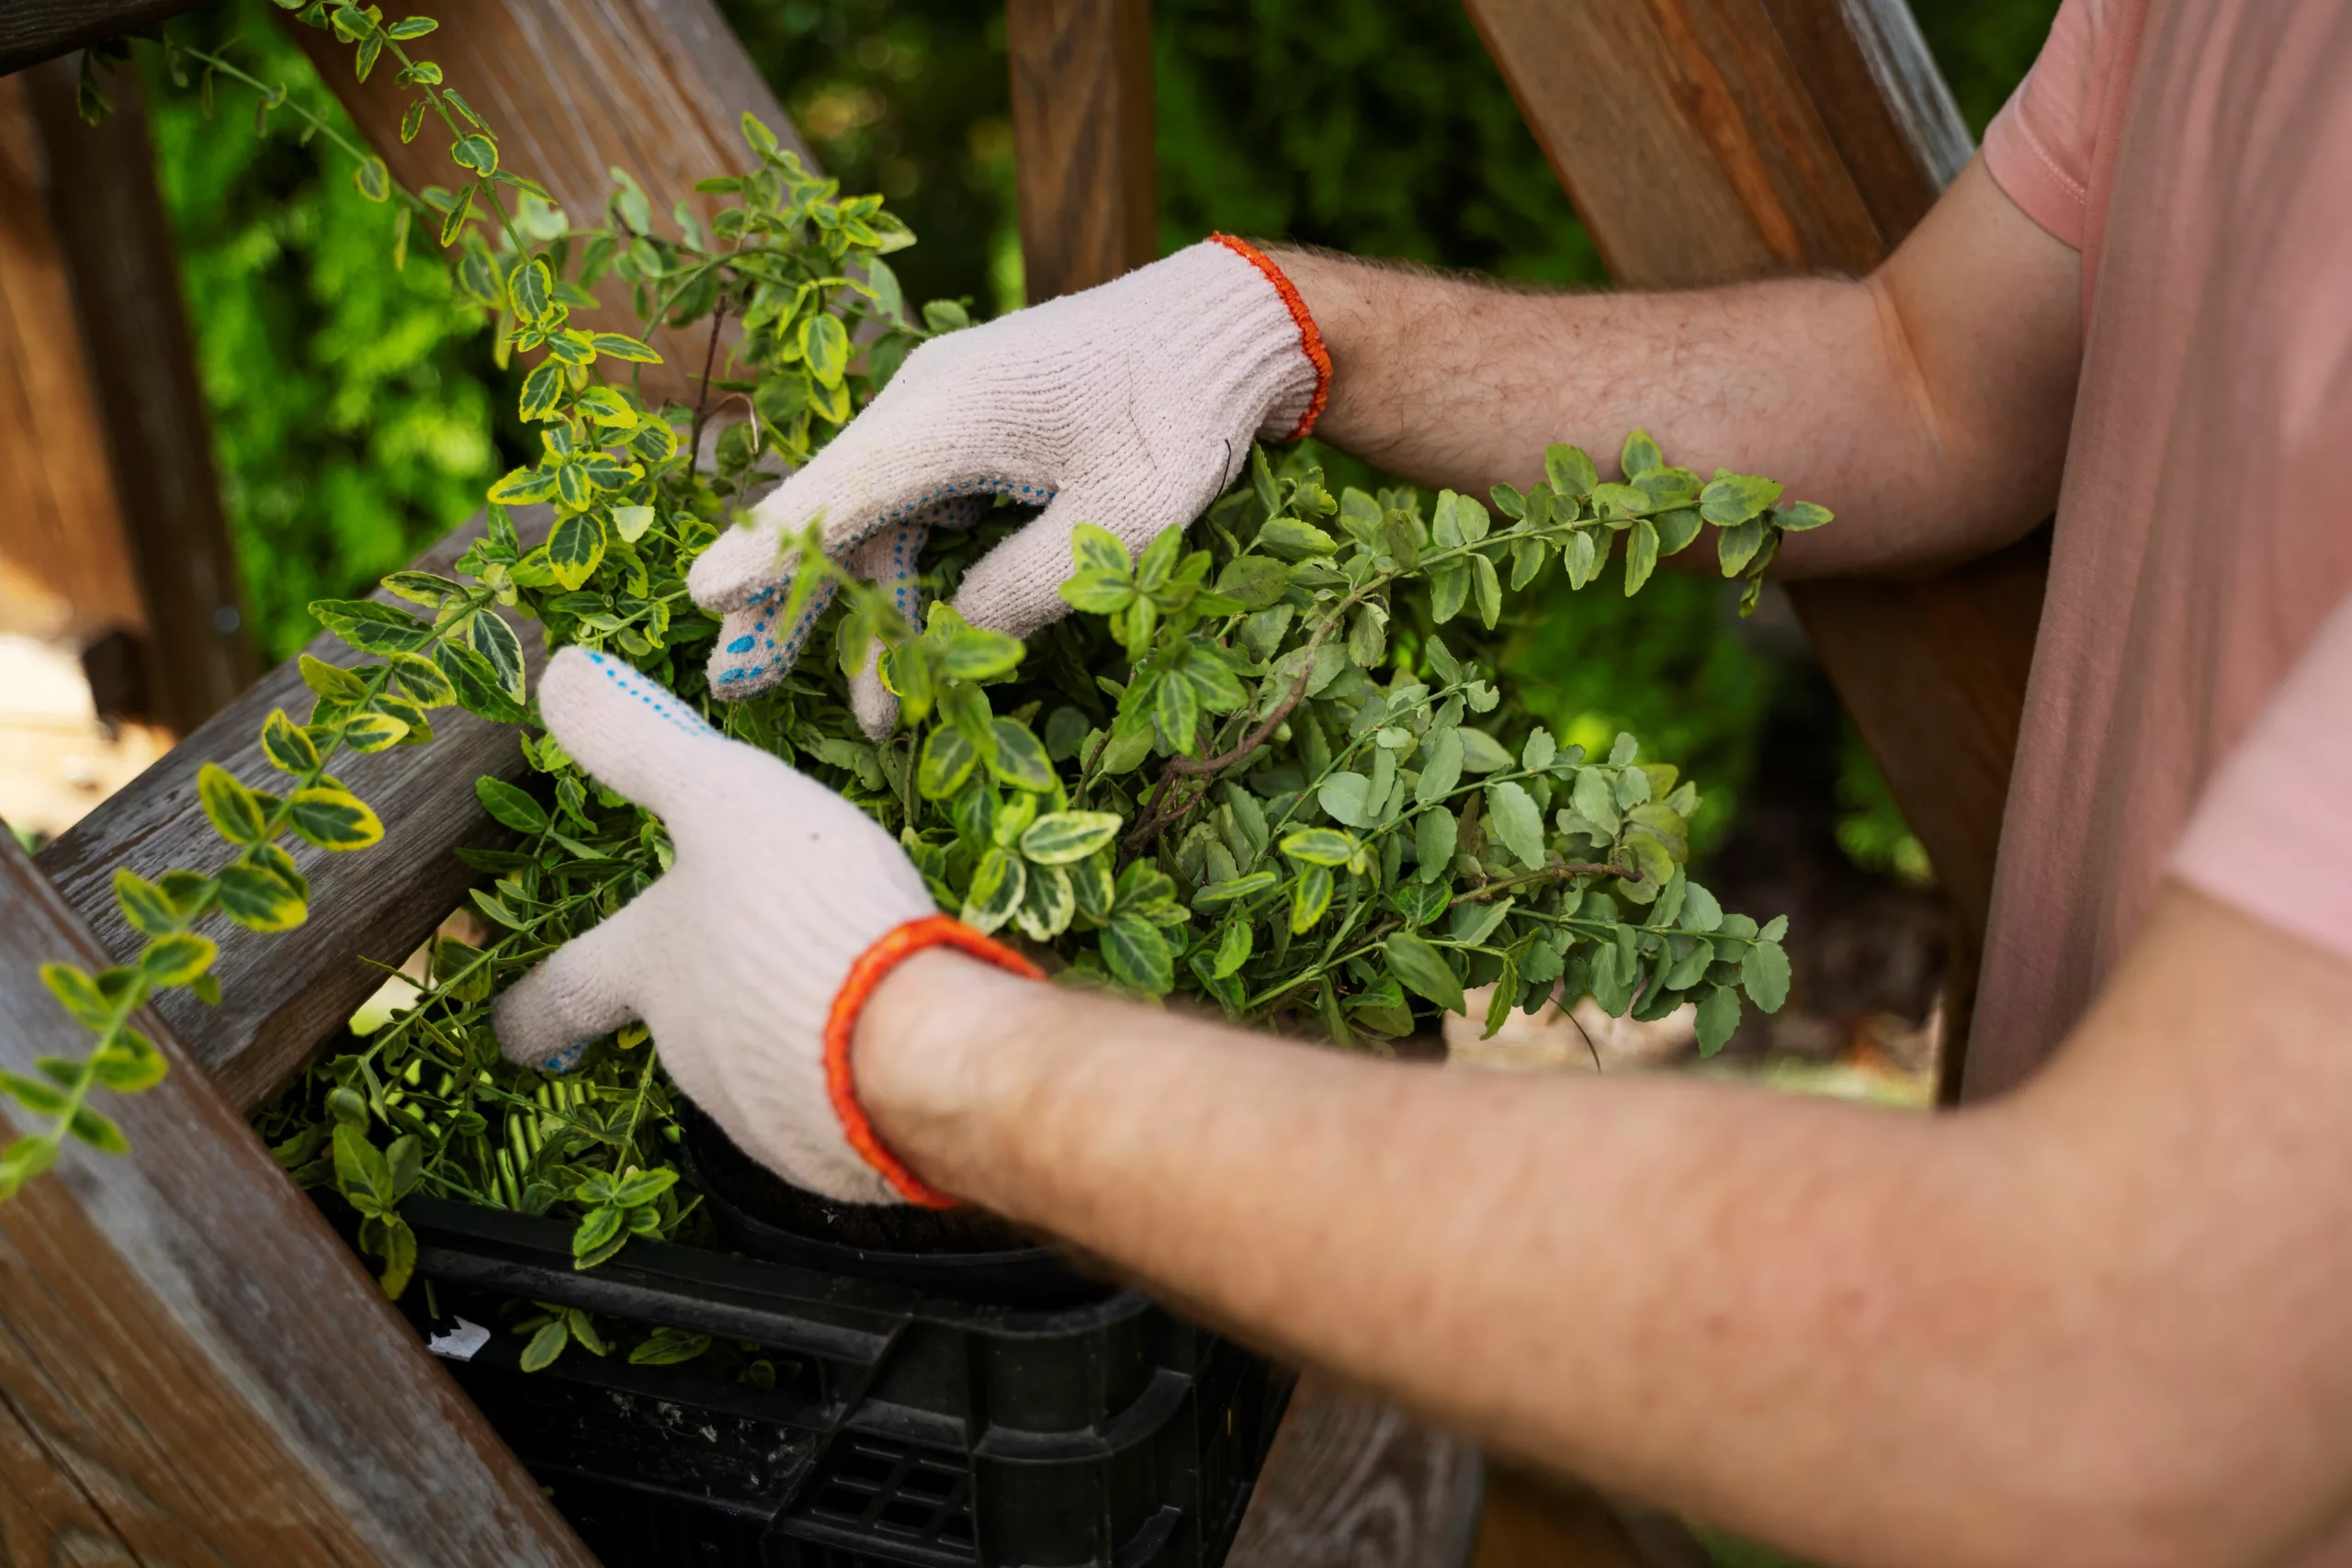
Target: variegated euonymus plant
1287, 800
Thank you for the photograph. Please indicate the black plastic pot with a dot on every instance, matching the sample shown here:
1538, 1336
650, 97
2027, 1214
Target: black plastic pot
905, 1428
963, 1253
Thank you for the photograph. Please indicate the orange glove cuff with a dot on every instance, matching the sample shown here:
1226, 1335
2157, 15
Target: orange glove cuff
897, 945
1310, 337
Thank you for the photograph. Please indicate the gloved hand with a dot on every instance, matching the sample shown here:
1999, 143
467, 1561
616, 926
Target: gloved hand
1130, 406
749, 960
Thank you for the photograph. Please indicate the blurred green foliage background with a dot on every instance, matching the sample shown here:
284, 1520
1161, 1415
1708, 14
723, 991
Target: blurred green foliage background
359, 418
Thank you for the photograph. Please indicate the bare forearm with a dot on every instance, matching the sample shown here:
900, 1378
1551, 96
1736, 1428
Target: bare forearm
1931, 437
1734, 1303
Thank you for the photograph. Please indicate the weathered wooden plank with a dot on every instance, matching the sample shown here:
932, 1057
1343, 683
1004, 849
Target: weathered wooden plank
1738, 138
1081, 140
283, 994
193, 1368
1353, 1483
575, 89
35, 31
123, 262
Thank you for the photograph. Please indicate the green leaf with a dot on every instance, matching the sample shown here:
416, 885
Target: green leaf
574, 548
1293, 540
1139, 955
1488, 589
1449, 590
236, 813
1255, 580
974, 654
1481, 752
542, 390
40, 1098
1218, 893
1047, 903
1441, 768
1020, 757
1310, 896
523, 485
996, 889
1091, 885
421, 680
1346, 796
1764, 971
1718, 1019
545, 1346
949, 758
1799, 516
370, 627
1640, 455
1321, 846
615, 345
401, 31
824, 348
130, 1063
260, 899
1732, 498
1175, 713
374, 731
1568, 471
1059, 837
284, 744
333, 818
1736, 547
1094, 549
477, 152
496, 642
530, 285
1641, 556
1233, 947
597, 1231
1098, 593
147, 906
330, 682
511, 805
669, 1346
1517, 822
1435, 832
191, 892
1676, 529
176, 960
99, 1132
1422, 970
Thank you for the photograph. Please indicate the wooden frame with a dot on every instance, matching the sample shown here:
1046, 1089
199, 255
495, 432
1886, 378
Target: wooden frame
192, 1365
1803, 135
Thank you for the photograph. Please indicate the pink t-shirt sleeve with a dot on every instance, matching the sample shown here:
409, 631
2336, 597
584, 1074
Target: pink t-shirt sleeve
2272, 834
2038, 148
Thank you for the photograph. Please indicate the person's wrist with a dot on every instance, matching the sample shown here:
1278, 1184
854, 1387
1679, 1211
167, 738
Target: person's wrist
931, 1059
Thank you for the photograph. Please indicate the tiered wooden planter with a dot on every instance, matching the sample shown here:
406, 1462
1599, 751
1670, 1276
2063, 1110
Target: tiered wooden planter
193, 1368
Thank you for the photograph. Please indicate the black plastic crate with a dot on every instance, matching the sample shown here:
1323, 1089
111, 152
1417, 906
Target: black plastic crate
903, 1428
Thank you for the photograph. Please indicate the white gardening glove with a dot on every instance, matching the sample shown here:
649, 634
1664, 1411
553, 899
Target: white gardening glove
749, 959
1131, 406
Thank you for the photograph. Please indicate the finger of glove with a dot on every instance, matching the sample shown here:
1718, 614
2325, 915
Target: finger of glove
584, 989
888, 560
868, 479
630, 734
753, 653
1016, 587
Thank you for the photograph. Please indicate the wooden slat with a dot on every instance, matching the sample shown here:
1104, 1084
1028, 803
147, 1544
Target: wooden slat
1739, 138
1353, 1483
575, 89
193, 1368
65, 567
283, 994
1081, 140
123, 262
35, 31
